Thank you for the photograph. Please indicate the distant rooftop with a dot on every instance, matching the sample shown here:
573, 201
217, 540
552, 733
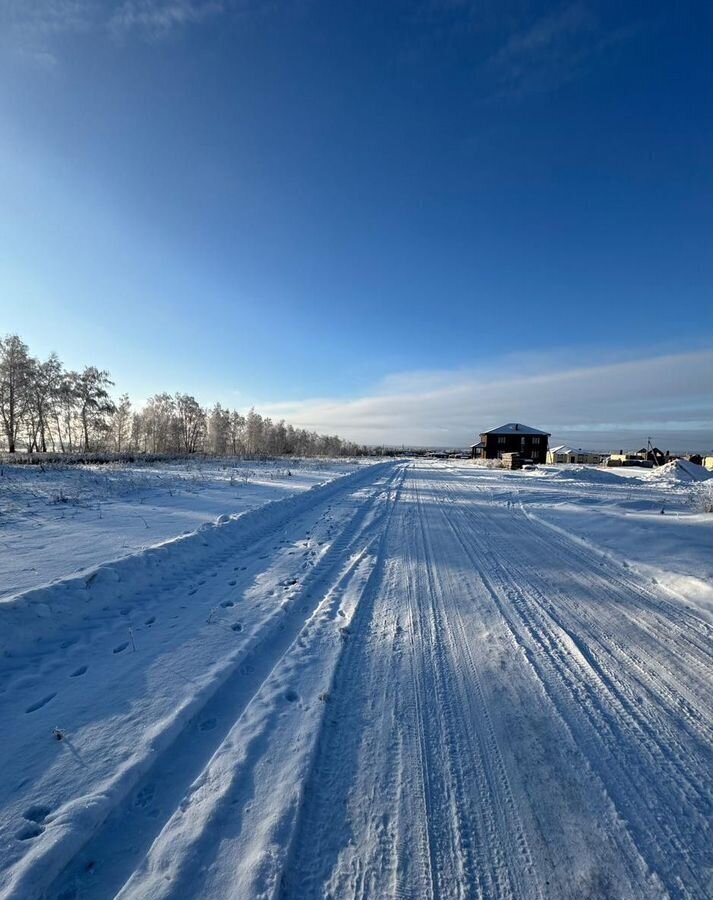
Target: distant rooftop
515, 428
563, 448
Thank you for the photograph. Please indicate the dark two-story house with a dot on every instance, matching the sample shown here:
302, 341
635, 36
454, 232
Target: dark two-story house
530, 443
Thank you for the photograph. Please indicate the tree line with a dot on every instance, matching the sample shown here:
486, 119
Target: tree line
47, 408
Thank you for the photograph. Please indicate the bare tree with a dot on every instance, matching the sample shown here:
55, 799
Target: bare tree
15, 382
191, 422
41, 404
94, 402
121, 423
218, 430
46, 382
64, 411
237, 431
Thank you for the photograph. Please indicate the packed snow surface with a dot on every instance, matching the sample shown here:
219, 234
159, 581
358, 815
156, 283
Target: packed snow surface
416, 680
63, 519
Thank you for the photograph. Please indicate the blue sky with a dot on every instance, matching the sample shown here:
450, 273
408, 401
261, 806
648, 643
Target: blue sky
387, 219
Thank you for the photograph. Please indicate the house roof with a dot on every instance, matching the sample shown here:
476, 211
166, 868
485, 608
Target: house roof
563, 448
478, 446
516, 428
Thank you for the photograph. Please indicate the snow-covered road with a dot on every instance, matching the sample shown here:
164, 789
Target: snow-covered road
396, 684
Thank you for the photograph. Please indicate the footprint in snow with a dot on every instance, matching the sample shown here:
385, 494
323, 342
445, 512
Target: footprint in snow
69, 893
27, 681
35, 818
232, 582
237, 626
120, 647
145, 795
40, 703
77, 672
208, 724
291, 697
192, 592
227, 603
37, 813
150, 620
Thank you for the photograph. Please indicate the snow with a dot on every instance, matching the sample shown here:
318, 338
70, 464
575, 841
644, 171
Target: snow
678, 471
62, 520
618, 511
565, 448
515, 428
425, 679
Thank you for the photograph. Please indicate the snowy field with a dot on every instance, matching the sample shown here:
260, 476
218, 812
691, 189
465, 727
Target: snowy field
63, 520
416, 680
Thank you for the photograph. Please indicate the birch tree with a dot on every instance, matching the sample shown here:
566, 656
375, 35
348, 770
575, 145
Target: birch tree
15, 384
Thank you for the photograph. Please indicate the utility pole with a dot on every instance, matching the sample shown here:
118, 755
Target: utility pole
649, 448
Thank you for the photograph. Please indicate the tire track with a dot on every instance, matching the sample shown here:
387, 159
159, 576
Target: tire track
616, 735
522, 880
127, 829
502, 860
318, 838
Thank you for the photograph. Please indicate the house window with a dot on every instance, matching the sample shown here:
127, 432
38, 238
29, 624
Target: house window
535, 440
501, 439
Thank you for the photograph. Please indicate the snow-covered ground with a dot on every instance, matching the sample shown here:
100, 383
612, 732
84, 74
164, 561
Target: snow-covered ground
647, 519
64, 519
417, 680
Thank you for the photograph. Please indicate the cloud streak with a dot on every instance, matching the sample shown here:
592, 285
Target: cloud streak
28, 30
668, 397
156, 18
31, 29
551, 51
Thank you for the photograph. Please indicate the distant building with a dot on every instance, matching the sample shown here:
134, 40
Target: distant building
629, 458
528, 443
646, 457
565, 454
654, 455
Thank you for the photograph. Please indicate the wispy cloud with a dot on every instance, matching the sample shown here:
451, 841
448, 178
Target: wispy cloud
47, 16
550, 51
28, 30
667, 396
31, 30
157, 18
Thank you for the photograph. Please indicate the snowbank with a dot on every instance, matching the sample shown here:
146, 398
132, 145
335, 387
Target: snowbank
678, 471
59, 521
591, 474
30, 619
